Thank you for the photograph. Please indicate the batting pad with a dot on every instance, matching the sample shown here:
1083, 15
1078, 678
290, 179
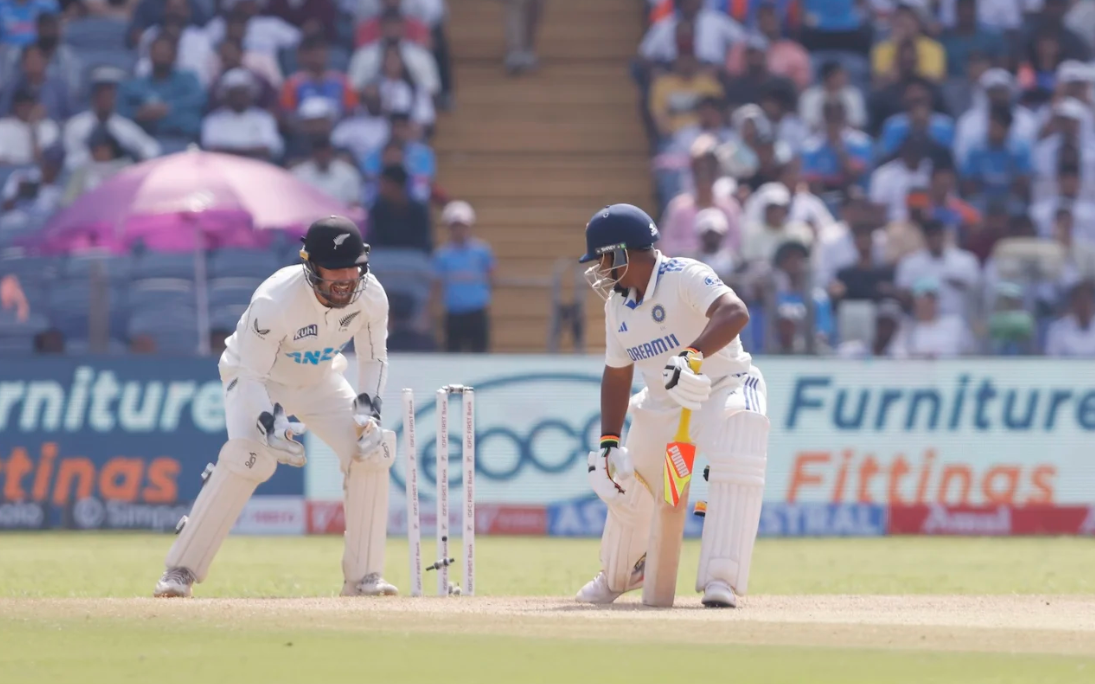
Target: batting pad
733, 503
366, 507
623, 542
241, 467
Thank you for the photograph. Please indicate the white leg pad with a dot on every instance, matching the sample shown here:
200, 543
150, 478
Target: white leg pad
366, 506
242, 465
623, 543
733, 502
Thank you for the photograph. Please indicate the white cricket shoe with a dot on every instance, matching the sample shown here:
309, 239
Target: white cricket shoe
372, 585
175, 583
596, 591
719, 595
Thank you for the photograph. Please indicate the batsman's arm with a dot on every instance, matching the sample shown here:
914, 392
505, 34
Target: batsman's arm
615, 395
726, 314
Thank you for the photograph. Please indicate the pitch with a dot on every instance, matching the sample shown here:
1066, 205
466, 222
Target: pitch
903, 610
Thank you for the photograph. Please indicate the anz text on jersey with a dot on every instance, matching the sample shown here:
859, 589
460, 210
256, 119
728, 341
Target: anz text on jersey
315, 357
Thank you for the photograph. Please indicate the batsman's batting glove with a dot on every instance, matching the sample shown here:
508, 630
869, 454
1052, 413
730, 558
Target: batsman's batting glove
610, 469
686, 387
280, 435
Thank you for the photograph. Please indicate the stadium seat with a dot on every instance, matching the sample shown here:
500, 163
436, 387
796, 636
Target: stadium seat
17, 337
162, 265
174, 334
81, 266
855, 321
160, 295
231, 291
95, 33
242, 263
69, 308
225, 317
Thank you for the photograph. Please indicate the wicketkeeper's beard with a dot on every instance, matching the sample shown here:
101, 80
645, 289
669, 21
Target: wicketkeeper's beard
339, 294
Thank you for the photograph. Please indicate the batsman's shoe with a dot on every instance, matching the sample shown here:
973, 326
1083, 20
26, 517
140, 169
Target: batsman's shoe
596, 591
372, 585
719, 595
175, 583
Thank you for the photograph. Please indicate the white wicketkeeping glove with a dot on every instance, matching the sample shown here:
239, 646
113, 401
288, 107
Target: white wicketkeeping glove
610, 470
370, 436
687, 388
280, 434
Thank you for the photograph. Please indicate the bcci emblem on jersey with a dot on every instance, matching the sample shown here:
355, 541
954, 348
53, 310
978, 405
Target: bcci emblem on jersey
658, 313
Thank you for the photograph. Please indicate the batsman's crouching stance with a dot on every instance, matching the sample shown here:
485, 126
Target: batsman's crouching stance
285, 357
660, 315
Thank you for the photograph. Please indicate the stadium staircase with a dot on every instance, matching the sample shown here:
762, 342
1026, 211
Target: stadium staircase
537, 155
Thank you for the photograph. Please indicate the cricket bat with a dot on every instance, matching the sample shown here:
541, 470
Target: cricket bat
663, 555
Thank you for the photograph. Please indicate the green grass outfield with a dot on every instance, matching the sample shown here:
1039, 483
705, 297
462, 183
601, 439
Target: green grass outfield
73, 608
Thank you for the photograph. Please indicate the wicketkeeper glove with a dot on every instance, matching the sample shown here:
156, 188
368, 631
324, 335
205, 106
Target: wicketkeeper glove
687, 388
370, 436
280, 434
610, 469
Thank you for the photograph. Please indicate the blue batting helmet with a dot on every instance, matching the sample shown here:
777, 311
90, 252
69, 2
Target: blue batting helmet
620, 226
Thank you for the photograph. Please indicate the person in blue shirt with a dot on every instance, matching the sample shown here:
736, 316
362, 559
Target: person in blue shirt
838, 25
463, 277
918, 116
969, 38
19, 20
418, 159
998, 168
795, 293
840, 157
168, 102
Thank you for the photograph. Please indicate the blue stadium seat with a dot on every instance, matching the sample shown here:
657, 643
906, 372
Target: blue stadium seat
29, 269
81, 266
160, 295
69, 308
80, 347
225, 317
17, 337
95, 33
242, 263
163, 265
174, 334
231, 291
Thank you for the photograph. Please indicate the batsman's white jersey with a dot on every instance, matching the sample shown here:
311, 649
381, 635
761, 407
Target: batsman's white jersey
287, 348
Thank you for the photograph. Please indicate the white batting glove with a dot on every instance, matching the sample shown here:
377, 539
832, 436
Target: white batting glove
611, 472
280, 434
687, 388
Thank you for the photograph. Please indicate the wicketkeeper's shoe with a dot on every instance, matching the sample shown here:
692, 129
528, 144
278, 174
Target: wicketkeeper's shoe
597, 591
372, 585
719, 595
175, 583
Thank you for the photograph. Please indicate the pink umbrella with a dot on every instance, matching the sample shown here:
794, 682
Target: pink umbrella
190, 199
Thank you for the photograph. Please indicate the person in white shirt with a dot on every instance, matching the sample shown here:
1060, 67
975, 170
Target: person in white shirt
834, 85
332, 175
931, 333
761, 239
265, 33
285, 358
240, 127
400, 93
805, 207
836, 245
367, 129
1005, 15
193, 47
1063, 133
27, 132
1069, 197
132, 138
713, 34
678, 324
712, 226
956, 270
890, 182
368, 61
1073, 335
996, 89
429, 12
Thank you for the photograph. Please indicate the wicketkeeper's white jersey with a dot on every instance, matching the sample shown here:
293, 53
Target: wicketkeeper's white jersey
671, 315
286, 336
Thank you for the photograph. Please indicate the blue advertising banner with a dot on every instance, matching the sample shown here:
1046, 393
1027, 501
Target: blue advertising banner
134, 434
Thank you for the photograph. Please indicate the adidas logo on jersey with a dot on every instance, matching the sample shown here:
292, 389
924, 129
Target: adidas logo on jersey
623, 327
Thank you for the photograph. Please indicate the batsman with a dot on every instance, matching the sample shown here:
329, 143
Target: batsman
285, 359
679, 324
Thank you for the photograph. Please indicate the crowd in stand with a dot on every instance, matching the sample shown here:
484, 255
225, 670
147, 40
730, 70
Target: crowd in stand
881, 178
344, 93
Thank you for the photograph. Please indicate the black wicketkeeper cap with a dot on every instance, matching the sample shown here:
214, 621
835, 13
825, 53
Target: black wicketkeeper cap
334, 242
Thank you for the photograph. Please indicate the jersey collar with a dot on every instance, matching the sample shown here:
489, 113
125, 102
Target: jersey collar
632, 301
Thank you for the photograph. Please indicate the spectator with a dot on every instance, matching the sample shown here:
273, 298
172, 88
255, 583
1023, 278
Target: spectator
890, 182
51, 342
151, 13
839, 157
932, 332
835, 243
369, 30
958, 95
18, 19
314, 119
143, 344
239, 127
908, 28
400, 93
761, 239
794, 287
999, 168
34, 76
780, 105
1050, 26
522, 19
887, 319
418, 158
119, 10
993, 227
31, 195
367, 129
62, 63
12, 297
167, 102
368, 61
712, 226
463, 278
887, 97
261, 33
1081, 21
712, 35
336, 177
955, 270
1038, 74
710, 121
312, 17
918, 117
960, 219
679, 236
397, 219
868, 278
230, 56
1073, 335
193, 49
968, 34
1069, 197
1011, 327
107, 158
805, 206
996, 87
262, 62
104, 89
790, 339
755, 78
1000, 17
315, 80
834, 86
1061, 137
27, 132
674, 96
785, 57
839, 25
404, 333
431, 13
